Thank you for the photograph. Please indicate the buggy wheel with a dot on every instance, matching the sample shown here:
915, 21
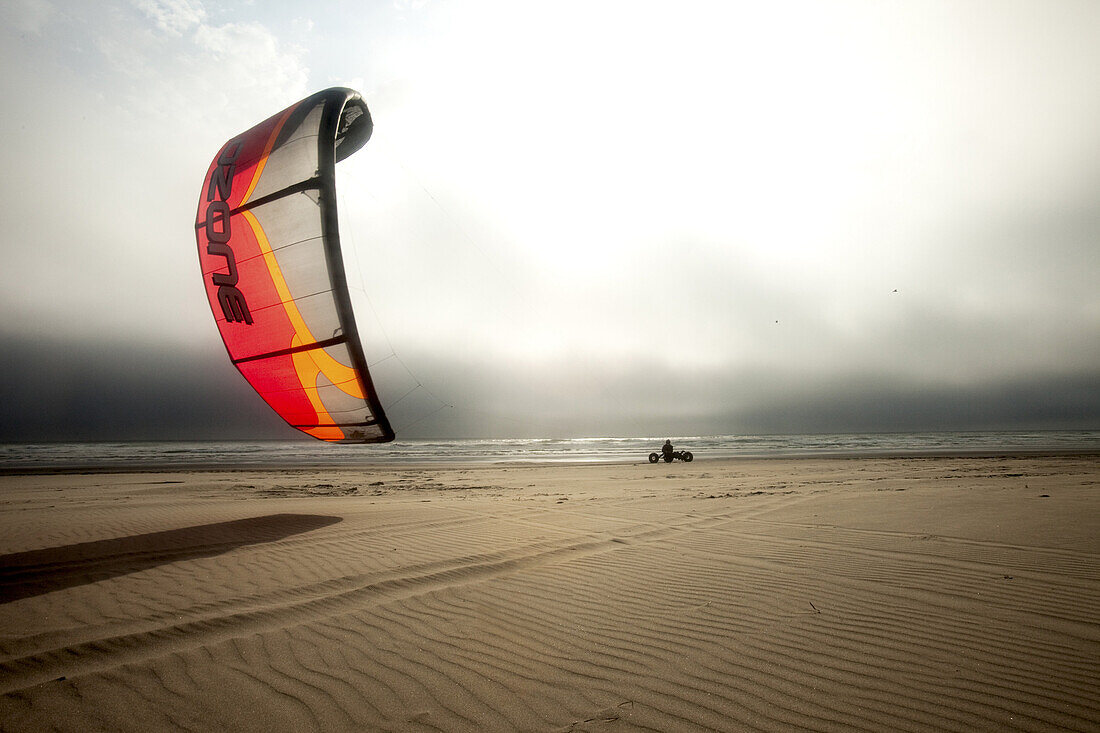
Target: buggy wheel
688, 457
653, 458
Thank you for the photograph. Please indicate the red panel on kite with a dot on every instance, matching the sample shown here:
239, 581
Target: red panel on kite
269, 249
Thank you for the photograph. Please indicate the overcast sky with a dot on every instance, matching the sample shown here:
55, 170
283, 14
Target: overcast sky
575, 218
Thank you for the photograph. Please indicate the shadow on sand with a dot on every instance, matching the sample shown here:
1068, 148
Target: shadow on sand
33, 573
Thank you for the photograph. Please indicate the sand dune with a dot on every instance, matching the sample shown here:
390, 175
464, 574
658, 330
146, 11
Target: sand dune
905, 594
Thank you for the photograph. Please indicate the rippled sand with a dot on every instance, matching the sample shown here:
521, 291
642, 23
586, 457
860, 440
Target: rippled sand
820, 594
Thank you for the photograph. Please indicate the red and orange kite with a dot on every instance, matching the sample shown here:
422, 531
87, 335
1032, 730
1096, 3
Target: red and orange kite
269, 248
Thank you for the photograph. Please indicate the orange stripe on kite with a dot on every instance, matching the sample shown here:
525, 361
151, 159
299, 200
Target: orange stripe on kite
263, 158
341, 375
308, 370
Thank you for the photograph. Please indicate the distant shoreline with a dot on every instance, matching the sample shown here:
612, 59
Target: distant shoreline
345, 465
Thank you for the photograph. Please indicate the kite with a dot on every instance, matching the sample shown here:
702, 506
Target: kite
269, 249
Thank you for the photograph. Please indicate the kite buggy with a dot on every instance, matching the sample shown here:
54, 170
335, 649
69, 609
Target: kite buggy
669, 455
684, 456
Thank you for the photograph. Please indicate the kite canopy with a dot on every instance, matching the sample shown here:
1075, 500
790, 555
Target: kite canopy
269, 248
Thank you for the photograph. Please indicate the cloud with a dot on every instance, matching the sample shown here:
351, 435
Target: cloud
240, 73
173, 16
726, 197
118, 390
407, 5
27, 16
78, 389
118, 128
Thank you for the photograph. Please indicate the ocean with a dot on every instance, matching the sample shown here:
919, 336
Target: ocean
15, 458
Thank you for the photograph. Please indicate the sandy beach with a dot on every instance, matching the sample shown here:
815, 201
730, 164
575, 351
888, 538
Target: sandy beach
830, 594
